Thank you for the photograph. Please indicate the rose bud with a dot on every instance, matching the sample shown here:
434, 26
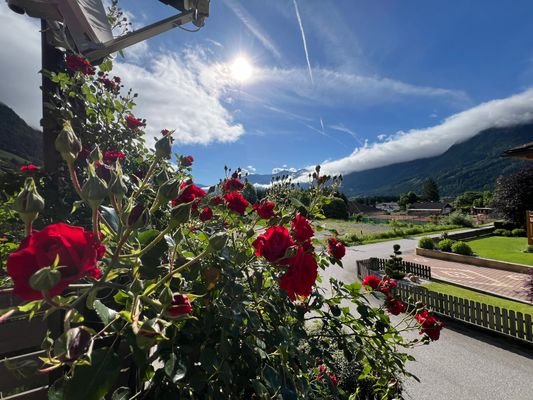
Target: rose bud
163, 147
78, 341
118, 188
95, 155
94, 190
181, 305
138, 217
67, 143
168, 190
28, 203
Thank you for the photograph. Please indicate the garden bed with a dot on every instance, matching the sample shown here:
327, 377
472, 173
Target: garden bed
474, 260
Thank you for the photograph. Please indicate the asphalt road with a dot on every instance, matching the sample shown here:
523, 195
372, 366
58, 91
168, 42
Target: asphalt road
464, 364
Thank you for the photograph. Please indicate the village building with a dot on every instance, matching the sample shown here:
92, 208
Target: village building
429, 208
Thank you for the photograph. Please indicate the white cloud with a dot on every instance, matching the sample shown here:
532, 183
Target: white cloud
336, 87
253, 26
182, 92
20, 44
283, 168
435, 140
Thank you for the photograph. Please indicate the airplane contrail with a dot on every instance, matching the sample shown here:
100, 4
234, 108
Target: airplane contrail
304, 41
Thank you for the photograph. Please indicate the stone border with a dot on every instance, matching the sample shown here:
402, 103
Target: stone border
470, 234
473, 260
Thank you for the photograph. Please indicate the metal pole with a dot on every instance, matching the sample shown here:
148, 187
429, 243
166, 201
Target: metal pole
51, 59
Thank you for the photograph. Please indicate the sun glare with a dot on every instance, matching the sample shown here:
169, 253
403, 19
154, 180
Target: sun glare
241, 69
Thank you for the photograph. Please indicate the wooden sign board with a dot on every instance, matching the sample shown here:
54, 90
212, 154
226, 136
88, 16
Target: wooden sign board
529, 219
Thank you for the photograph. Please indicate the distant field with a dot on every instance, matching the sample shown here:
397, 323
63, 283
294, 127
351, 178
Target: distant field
502, 248
348, 228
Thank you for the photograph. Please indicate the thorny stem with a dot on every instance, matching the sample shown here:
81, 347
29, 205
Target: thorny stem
150, 245
95, 220
74, 179
28, 228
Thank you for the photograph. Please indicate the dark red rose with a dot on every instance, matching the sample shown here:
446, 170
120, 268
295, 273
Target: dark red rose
301, 275
265, 209
186, 161
429, 324
206, 214
395, 306
189, 192
301, 229
78, 252
372, 280
117, 79
103, 171
134, 123
77, 63
30, 169
181, 305
236, 202
231, 185
217, 200
386, 285
322, 371
110, 156
110, 84
336, 248
273, 244
165, 132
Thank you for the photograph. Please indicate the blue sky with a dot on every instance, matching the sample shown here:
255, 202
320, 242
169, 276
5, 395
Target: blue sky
382, 81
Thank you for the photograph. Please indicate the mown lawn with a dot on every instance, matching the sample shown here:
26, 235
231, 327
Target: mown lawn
502, 248
453, 290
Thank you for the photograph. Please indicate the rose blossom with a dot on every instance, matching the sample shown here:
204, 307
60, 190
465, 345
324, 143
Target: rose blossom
236, 202
181, 305
429, 324
336, 248
111, 156
30, 168
206, 214
76, 63
395, 306
78, 252
301, 228
186, 161
232, 184
273, 244
265, 209
322, 370
189, 193
134, 123
301, 275
372, 280
384, 285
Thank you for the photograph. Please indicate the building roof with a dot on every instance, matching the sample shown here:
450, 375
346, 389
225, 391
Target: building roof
524, 152
360, 208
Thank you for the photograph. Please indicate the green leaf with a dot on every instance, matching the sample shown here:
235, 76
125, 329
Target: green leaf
105, 313
45, 279
354, 288
110, 215
93, 382
122, 393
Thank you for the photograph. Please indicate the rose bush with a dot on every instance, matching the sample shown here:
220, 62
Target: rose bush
199, 294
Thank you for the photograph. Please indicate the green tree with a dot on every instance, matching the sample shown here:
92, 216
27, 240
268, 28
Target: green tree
407, 199
250, 193
430, 190
514, 195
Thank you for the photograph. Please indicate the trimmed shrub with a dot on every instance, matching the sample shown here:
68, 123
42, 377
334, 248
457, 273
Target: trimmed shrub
462, 248
518, 232
426, 243
445, 245
529, 249
502, 232
458, 218
335, 208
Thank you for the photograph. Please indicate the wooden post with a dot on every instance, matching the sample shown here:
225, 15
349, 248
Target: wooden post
51, 59
529, 222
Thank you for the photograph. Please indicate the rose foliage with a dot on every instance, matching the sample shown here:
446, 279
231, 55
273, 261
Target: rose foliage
189, 293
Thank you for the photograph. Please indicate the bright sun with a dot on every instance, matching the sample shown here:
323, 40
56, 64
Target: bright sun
241, 69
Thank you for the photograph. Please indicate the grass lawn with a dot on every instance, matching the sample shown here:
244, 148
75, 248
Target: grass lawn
502, 248
453, 290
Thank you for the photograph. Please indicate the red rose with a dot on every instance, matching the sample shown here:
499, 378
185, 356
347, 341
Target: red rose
395, 306
181, 305
206, 214
372, 280
217, 200
236, 202
336, 248
78, 252
265, 209
430, 325
186, 161
386, 285
110, 156
322, 370
301, 228
76, 63
273, 244
301, 275
232, 185
110, 85
189, 192
134, 123
30, 169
